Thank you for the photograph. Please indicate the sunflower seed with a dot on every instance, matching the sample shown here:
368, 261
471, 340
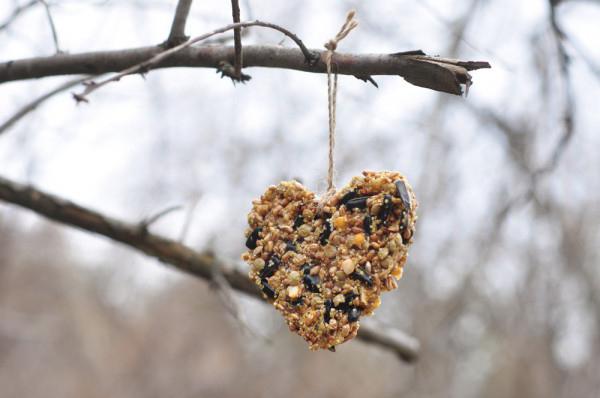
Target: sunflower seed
357, 203
353, 314
348, 196
386, 208
367, 224
402, 193
252, 238
326, 232
311, 282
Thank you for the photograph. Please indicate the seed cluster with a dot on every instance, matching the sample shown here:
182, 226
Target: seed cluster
324, 265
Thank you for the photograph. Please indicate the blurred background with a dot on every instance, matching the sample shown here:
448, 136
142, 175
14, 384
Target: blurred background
502, 286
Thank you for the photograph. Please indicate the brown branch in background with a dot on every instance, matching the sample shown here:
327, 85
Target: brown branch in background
177, 34
146, 65
568, 106
36, 102
226, 295
237, 39
172, 252
16, 12
52, 26
514, 133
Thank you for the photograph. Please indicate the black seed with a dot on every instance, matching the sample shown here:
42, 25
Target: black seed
326, 232
404, 228
298, 301
367, 224
326, 313
290, 246
347, 304
348, 196
251, 241
353, 314
275, 260
386, 208
350, 297
403, 222
325, 216
267, 289
271, 267
357, 203
311, 282
402, 193
332, 348
362, 276
298, 221
306, 268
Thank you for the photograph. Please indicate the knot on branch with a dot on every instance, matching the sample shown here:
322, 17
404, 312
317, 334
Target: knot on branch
346, 28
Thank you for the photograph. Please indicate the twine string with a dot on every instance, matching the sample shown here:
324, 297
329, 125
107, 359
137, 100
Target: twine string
331, 46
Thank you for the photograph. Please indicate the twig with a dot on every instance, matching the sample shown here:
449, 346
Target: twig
36, 102
144, 66
225, 294
52, 26
177, 34
237, 39
145, 224
188, 220
16, 12
569, 106
169, 251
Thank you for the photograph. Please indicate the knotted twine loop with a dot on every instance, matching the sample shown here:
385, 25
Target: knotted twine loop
331, 46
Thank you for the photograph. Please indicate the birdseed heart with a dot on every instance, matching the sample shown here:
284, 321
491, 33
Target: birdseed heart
324, 265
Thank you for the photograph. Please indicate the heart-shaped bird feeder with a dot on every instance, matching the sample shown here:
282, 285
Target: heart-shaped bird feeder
324, 263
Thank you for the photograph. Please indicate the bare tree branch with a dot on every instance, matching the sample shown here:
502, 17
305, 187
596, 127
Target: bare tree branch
169, 251
188, 219
430, 72
16, 12
36, 102
146, 65
177, 34
569, 105
52, 26
147, 222
237, 39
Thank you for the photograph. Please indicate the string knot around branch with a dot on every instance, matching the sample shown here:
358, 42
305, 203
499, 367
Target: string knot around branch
350, 24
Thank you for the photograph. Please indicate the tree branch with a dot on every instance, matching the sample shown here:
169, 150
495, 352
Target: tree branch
435, 73
169, 251
148, 64
237, 39
569, 104
36, 102
177, 33
52, 26
16, 12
